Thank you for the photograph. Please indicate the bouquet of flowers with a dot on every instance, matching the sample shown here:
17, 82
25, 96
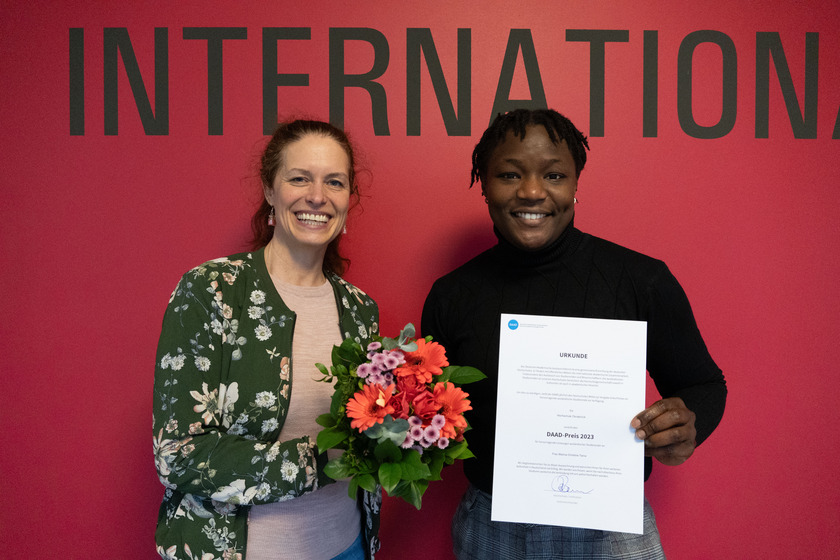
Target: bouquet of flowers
397, 412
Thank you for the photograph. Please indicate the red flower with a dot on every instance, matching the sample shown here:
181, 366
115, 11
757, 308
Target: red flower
410, 386
425, 406
370, 406
424, 362
401, 403
453, 403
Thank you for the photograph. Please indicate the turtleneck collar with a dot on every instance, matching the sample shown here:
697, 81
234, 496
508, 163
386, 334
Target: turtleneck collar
551, 253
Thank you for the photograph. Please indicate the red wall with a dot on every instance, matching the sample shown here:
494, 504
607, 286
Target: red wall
96, 228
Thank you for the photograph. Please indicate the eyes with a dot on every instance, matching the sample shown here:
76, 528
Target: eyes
552, 176
303, 180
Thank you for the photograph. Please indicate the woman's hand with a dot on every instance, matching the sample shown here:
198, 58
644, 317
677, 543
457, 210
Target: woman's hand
667, 428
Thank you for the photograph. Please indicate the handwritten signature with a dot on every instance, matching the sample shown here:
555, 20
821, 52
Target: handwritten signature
560, 483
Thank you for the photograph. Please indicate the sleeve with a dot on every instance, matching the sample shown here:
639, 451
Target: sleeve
678, 360
199, 448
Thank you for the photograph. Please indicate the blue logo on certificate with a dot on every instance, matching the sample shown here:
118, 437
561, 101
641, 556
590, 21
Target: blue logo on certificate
513, 324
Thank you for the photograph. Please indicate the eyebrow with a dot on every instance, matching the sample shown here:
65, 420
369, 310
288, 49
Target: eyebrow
298, 170
544, 162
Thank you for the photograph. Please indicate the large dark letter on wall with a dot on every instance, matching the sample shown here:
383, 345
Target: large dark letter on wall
339, 80
597, 38
729, 110
650, 85
271, 79
803, 122
117, 42
215, 62
519, 39
77, 81
418, 40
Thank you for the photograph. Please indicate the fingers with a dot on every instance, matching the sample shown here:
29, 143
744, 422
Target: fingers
660, 416
667, 428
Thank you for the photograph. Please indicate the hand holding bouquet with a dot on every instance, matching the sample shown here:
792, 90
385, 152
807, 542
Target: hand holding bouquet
397, 412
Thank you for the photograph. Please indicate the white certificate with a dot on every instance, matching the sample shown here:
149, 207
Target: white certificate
565, 452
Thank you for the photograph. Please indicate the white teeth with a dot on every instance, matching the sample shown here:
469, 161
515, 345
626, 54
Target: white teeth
529, 215
320, 218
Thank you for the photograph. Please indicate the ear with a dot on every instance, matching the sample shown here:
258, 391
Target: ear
267, 192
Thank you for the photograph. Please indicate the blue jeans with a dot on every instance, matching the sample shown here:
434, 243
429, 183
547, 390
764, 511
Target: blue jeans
353, 552
476, 537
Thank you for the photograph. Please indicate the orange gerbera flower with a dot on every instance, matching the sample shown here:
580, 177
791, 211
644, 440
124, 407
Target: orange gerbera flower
453, 403
424, 362
370, 406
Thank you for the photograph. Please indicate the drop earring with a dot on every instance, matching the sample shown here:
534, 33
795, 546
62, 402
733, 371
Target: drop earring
271, 220
345, 230
575, 200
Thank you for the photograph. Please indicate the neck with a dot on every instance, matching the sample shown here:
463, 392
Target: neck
299, 268
549, 254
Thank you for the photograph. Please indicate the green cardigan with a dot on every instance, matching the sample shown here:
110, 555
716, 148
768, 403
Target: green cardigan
223, 379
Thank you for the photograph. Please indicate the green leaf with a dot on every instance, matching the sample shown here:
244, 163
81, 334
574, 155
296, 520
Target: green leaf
466, 454
329, 438
461, 375
339, 400
457, 450
389, 476
325, 420
323, 369
435, 465
367, 482
387, 451
415, 492
353, 488
350, 352
413, 468
337, 469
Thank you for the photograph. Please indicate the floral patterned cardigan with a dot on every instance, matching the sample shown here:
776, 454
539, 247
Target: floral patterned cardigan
223, 379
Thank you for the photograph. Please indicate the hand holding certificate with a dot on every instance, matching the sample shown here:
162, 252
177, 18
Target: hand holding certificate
565, 451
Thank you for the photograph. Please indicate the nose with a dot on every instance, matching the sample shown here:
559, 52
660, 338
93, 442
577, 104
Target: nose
315, 194
531, 188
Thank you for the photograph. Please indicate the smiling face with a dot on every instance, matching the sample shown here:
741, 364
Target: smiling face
310, 193
530, 188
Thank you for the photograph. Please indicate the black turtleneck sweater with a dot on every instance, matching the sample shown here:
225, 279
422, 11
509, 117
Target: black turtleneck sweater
576, 276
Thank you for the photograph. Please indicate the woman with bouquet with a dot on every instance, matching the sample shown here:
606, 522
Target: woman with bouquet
236, 388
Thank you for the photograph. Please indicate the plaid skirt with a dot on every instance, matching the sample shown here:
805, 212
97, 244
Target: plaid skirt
475, 537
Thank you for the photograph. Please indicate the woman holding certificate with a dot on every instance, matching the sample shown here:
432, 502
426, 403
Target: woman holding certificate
528, 163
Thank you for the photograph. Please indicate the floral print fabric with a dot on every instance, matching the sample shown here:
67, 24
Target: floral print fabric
223, 380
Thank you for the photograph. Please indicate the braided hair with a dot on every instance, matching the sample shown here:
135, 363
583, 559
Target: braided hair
557, 126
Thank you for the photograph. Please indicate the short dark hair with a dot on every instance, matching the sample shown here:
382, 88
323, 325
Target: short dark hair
557, 126
270, 162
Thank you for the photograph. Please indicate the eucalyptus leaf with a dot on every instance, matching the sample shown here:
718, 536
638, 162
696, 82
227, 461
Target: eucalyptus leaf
375, 431
390, 430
